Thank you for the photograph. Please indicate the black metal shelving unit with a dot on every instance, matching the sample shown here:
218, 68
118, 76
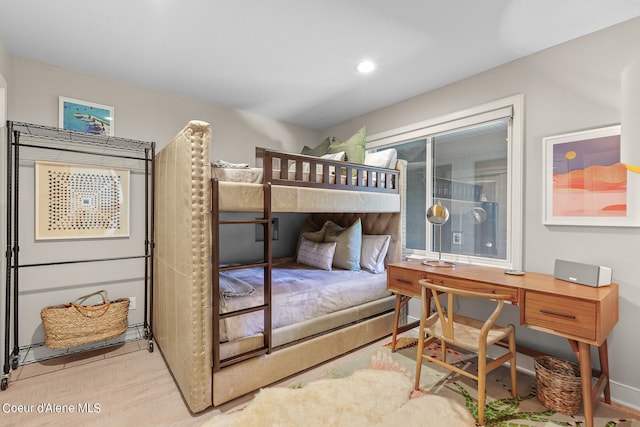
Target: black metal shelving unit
43, 138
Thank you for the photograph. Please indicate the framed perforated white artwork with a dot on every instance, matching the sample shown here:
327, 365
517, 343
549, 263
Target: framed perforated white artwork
80, 201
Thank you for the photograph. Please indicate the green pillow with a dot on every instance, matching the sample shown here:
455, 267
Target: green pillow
348, 244
314, 236
353, 147
319, 150
311, 231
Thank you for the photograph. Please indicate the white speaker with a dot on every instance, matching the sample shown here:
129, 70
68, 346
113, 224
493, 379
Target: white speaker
583, 274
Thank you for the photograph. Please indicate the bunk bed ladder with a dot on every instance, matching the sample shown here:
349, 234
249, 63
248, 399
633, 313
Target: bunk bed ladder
216, 269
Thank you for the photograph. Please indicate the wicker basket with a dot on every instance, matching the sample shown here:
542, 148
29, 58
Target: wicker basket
559, 385
72, 324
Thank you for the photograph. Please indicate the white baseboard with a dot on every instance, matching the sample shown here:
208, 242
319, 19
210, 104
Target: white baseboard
623, 395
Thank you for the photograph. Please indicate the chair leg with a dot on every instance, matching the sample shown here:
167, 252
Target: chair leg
482, 387
424, 311
513, 365
421, 340
416, 386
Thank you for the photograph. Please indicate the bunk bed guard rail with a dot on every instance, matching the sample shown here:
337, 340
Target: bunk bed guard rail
281, 168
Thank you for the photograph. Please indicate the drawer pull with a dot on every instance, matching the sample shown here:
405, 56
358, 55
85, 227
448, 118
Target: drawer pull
405, 281
553, 313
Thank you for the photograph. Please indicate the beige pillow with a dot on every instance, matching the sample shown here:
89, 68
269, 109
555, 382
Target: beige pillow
374, 250
319, 255
349, 243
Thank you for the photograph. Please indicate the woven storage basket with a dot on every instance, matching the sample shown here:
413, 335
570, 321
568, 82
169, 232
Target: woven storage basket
72, 324
559, 385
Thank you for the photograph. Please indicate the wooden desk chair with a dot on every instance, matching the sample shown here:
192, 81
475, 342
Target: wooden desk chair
464, 332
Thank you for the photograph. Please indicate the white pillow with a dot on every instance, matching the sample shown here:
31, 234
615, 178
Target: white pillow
319, 255
305, 166
334, 156
374, 250
382, 159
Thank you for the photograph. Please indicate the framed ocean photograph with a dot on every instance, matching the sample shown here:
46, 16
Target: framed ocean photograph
584, 181
83, 116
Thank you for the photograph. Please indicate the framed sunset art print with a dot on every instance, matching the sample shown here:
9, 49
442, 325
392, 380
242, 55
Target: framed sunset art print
584, 181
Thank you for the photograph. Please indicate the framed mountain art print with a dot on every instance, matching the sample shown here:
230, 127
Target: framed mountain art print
584, 181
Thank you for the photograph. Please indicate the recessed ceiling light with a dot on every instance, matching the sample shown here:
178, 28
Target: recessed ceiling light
365, 67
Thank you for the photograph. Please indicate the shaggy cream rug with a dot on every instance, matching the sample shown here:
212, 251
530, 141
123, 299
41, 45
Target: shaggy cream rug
365, 398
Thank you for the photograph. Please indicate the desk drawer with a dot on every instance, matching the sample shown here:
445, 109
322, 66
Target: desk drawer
474, 286
405, 281
561, 314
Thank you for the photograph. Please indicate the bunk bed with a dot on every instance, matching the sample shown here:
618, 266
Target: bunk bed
208, 362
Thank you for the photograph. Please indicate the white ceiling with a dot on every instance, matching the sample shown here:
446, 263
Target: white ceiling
294, 60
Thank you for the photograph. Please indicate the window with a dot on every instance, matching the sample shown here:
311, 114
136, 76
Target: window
471, 163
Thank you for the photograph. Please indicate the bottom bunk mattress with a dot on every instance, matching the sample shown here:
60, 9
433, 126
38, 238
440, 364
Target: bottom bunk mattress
300, 295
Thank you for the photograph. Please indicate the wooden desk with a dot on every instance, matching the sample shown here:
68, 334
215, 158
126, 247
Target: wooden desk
583, 315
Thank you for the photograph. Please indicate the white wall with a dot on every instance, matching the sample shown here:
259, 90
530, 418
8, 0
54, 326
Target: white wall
570, 87
4, 61
146, 114
4, 75
139, 114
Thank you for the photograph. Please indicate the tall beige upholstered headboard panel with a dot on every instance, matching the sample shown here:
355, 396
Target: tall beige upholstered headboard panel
182, 275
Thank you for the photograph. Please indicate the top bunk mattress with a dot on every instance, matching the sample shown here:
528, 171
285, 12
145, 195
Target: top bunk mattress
242, 189
184, 168
240, 175
242, 197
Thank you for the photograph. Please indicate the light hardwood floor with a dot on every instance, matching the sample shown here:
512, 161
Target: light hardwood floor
124, 385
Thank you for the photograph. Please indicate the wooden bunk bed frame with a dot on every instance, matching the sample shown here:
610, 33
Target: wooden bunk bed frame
186, 287
357, 177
